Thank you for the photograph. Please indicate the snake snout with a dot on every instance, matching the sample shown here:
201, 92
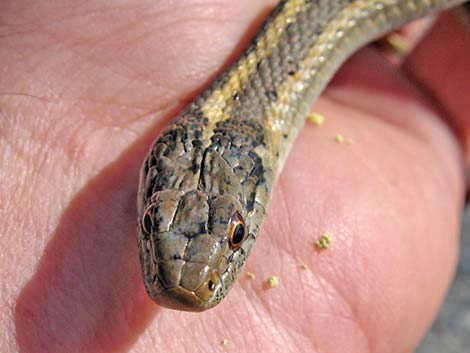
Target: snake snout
188, 268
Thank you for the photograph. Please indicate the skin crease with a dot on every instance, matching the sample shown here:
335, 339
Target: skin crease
84, 90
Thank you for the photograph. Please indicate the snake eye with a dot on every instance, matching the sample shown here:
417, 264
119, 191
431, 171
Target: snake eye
237, 231
147, 219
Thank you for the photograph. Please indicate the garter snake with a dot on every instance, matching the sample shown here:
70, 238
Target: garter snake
207, 179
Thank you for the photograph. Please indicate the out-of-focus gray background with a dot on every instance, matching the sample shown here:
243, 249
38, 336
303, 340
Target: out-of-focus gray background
451, 330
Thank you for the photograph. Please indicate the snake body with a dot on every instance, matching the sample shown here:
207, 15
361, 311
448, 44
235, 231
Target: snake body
206, 182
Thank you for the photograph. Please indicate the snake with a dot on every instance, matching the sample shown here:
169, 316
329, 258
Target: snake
207, 179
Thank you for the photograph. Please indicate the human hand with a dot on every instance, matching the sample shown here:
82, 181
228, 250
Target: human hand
85, 89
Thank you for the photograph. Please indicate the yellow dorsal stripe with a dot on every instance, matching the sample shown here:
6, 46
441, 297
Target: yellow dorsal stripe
216, 106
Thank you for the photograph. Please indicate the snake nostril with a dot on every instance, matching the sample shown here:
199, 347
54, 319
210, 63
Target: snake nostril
207, 290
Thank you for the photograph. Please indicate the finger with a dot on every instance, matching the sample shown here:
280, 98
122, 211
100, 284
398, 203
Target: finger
440, 65
185, 328
391, 199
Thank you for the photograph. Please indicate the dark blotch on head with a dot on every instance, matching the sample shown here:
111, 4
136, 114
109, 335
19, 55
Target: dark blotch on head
272, 95
197, 143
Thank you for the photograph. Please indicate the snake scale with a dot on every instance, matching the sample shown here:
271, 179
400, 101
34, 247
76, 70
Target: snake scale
206, 181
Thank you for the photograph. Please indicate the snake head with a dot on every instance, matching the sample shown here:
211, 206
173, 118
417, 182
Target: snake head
200, 208
192, 246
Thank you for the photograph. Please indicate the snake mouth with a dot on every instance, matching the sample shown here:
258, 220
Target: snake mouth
181, 298
184, 281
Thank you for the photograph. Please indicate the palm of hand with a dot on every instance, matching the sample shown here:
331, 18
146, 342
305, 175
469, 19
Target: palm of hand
75, 108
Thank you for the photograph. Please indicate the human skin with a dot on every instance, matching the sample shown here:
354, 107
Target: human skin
86, 87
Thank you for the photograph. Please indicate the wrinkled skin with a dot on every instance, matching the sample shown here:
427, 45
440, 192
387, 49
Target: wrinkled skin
84, 91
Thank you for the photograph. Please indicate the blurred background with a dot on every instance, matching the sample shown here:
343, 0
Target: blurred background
451, 330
